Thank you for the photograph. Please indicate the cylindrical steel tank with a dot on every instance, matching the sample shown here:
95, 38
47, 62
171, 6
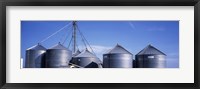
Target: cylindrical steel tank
35, 57
87, 60
58, 57
150, 57
118, 57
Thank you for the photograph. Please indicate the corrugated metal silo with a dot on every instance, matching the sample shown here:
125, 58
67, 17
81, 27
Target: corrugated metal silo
35, 57
87, 60
150, 57
118, 57
58, 57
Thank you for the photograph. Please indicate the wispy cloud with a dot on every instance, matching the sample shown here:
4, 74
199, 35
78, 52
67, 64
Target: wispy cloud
132, 25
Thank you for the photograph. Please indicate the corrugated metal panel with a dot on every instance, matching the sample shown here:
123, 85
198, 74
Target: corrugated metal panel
117, 61
150, 50
150, 61
118, 49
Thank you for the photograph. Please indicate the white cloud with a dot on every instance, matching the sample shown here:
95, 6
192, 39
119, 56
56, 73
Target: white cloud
132, 26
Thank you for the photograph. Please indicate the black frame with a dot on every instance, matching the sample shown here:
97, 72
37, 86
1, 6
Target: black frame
4, 3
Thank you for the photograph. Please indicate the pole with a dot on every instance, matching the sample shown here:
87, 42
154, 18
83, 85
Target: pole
74, 36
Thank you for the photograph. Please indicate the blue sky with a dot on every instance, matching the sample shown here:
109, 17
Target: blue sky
104, 35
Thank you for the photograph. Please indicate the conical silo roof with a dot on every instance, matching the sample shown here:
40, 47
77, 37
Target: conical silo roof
59, 46
150, 50
37, 47
118, 49
77, 53
86, 53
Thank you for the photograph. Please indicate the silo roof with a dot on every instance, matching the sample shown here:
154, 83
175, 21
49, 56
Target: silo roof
76, 53
59, 46
86, 53
150, 50
118, 49
37, 47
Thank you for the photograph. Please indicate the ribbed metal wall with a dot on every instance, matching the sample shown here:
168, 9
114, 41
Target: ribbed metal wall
117, 61
145, 61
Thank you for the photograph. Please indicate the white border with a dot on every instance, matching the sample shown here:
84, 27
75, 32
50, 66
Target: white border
184, 74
